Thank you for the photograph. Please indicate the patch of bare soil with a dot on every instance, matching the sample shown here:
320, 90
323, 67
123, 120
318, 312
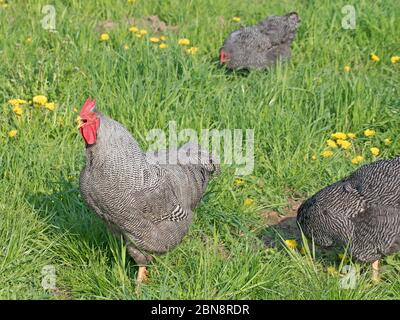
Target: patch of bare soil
284, 225
106, 25
221, 21
151, 23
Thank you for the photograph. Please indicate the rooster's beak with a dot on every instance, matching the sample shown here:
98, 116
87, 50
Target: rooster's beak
79, 122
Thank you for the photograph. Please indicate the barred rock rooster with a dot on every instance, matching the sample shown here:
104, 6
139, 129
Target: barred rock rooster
148, 202
260, 46
361, 210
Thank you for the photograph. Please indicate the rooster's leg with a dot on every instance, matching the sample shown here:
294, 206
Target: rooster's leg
375, 271
142, 260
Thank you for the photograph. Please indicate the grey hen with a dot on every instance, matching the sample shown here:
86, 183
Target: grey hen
139, 196
260, 46
362, 210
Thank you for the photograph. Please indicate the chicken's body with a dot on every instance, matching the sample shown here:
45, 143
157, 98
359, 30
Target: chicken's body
149, 203
362, 210
261, 45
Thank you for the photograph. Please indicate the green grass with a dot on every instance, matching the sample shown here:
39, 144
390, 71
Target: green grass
293, 109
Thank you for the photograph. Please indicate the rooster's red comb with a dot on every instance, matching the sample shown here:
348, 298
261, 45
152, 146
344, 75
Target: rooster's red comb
88, 106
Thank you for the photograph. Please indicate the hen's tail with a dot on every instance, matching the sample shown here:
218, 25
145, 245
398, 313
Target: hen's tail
280, 28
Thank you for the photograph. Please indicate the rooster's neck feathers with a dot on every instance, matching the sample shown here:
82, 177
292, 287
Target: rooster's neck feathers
114, 144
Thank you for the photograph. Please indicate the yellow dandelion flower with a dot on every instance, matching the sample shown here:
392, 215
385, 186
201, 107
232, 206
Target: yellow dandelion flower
395, 59
192, 50
357, 159
339, 142
331, 270
184, 42
154, 40
239, 182
345, 144
133, 29
18, 110
248, 202
163, 46
369, 133
163, 38
28, 40
138, 35
331, 143
375, 151
291, 243
236, 19
50, 106
12, 133
40, 100
17, 102
104, 37
339, 135
347, 68
327, 153
374, 57
143, 32
387, 141
313, 157
351, 135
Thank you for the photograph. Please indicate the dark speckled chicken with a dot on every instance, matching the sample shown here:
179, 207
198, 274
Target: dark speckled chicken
260, 46
147, 200
362, 210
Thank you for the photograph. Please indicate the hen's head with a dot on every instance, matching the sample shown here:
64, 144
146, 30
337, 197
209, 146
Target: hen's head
327, 216
240, 48
224, 57
88, 122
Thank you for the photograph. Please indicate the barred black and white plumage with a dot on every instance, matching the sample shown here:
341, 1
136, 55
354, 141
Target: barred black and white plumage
151, 204
361, 210
261, 45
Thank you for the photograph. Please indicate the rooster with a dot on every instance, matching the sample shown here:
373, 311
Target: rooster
148, 202
260, 46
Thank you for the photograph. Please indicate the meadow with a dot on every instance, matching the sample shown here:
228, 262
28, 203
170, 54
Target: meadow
332, 84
